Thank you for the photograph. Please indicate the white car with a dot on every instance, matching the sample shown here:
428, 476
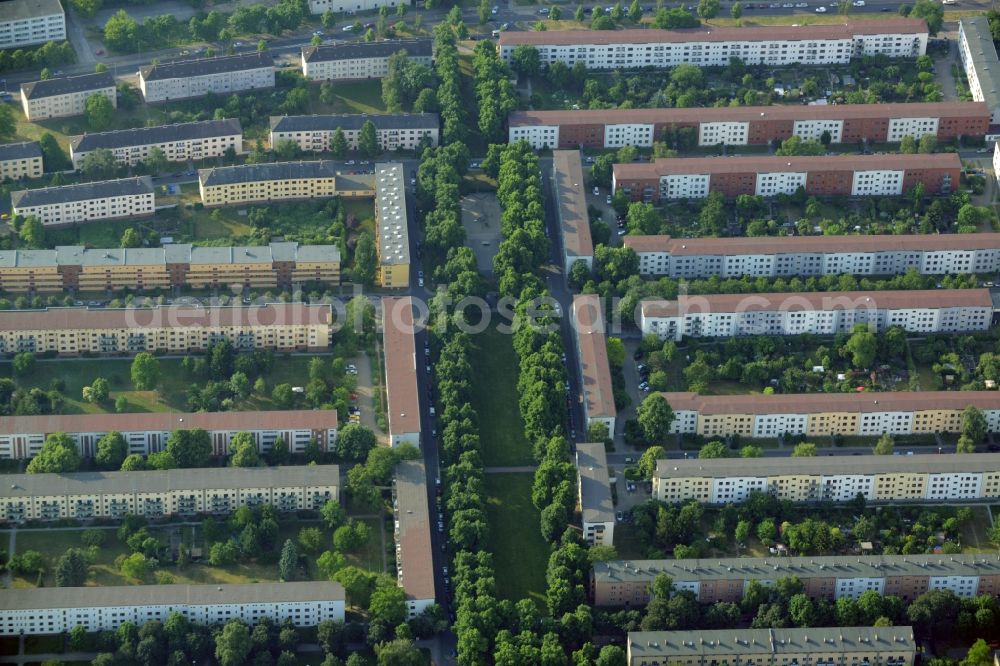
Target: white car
495, 10
347, 28
821, 10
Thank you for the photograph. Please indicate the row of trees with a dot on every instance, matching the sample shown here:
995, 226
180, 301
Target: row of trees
408, 86
494, 92
50, 54
451, 102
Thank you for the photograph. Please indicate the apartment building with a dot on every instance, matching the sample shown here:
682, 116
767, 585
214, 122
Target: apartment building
20, 160
65, 96
361, 60
402, 387
412, 527
222, 75
392, 235
597, 512
817, 313
401, 131
283, 265
58, 610
592, 356
979, 59
768, 176
176, 492
710, 46
348, 7
571, 208
830, 646
628, 582
30, 22
826, 414
280, 181
931, 479
805, 256
179, 143
87, 202
749, 125
283, 327
21, 437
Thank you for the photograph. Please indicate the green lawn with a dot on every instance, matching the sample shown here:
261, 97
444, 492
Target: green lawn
358, 97
43, 644
170, 396
520, 555
975, 537
494, 397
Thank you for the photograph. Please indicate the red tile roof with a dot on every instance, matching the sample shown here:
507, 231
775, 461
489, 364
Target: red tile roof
400, 365
413, 515
317, 419
571, 200
819, 244
588, 319
811, 403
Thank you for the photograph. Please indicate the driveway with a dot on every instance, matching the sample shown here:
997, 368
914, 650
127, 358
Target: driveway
942, 72
632, 387
367, 402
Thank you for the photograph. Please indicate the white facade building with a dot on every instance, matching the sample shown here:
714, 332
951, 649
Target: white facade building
929, 254
102, 200
709, 46
58, 610
349, 7
570, 191
360, 60
594, 494
402, 131
982, 66
65, 96
195, 78
415, 572
30, 22
179, 143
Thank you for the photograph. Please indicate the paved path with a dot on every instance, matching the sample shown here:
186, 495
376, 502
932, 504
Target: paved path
523, 469
368, 383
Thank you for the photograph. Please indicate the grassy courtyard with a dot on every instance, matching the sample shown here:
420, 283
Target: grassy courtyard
520, 555
495, 399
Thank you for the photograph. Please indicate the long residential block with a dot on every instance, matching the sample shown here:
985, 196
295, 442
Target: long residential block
348, 7
23, 436
392, 226
592, 356
280, 181
29, 22
58, 610
749, 125
791, 256
184, 79
709, 46
179, 143
597, 512
415, 571
176, 492
813, 646
402, 387
21, 160
817, 313
284, 327
402, 131
926, 479
628, 582
571, 208
768, 176
76, 268
87, 202
826, 414
361, 60
65, 96
979, 58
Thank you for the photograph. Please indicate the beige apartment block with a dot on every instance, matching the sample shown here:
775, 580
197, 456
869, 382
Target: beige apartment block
812, 646
87, 202
402, 389
361, 60
187, 492
401, 131
195, 78
280, 181
597, 392
20, 160
30, 22
65, 96
412, 525
571, 207
392, 226
179, 143
168, 329
22, 437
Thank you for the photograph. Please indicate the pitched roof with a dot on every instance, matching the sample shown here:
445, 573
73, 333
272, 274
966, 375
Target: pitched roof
666, 166
185, 69
595, 371
706, 33
255, 173
144, 136
180, 253
169, 316
354, 121
82, 192
595, 484
20, 151
825, 466
363, 50
695, 115
19, 10
316, 419
170, 595
412, 512
681, 247
571, 203
819, 300
400, 349
822, 403
67, 84
983, 56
